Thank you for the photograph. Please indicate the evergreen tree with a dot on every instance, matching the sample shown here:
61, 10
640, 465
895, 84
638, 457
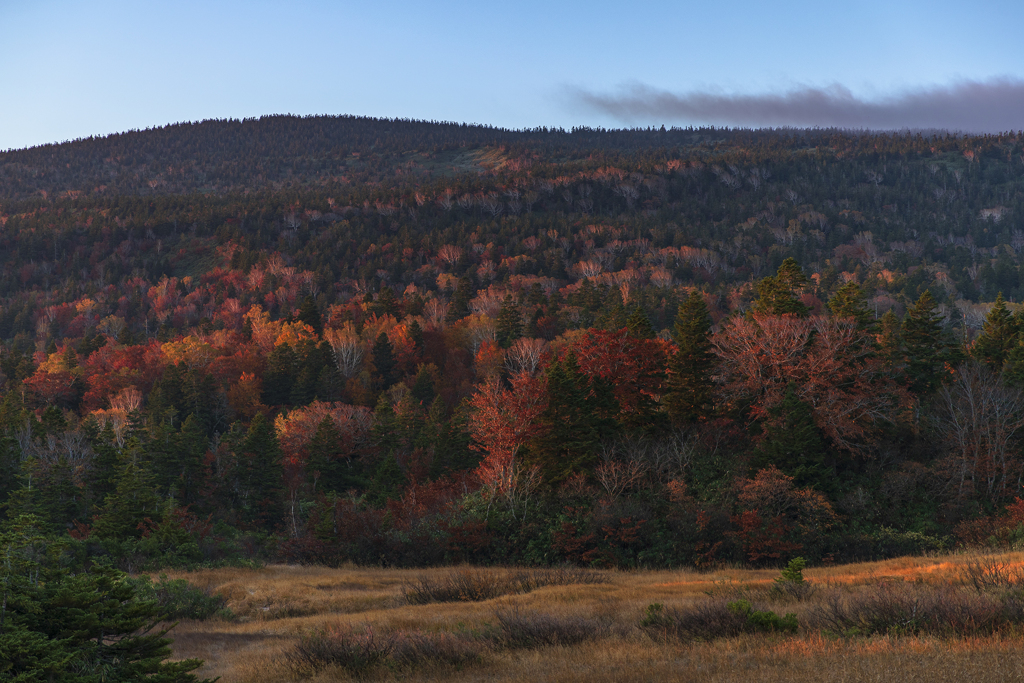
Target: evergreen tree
509, 326
133, 500
793, 443
423, 387
279, 377
261, 473
848, 302
927, 345
310, 314
639, 325
327, 468
579, 415
384, 361
689, 395
778, 295
998, 336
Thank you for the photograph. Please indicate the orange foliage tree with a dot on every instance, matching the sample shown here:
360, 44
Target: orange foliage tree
827, 360
503, 421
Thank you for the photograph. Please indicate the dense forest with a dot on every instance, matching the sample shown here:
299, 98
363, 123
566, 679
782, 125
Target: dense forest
336, 339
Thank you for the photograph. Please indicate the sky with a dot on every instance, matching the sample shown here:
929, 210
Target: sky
72, 68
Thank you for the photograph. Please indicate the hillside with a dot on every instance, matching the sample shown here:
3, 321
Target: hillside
337, 339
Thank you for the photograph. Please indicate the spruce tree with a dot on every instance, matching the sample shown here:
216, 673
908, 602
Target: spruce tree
793, 442
310, 314
578, 416
261, 473
384, 361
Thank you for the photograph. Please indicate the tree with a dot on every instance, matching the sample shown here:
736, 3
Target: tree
639, 325
793, 443
88, 626
929, 348
579, 414
384, 360
848, 302
778, 295
261, 473
998, 336
688, 398
509, 326
310, 314
504, 421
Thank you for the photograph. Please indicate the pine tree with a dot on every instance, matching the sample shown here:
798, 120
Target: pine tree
327, 469
689, 395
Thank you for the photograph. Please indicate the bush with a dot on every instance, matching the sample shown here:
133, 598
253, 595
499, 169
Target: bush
519, 630
791, 584
712, 619
465, 585
340, 646
179, 599
908, 609
989, 574
417, 649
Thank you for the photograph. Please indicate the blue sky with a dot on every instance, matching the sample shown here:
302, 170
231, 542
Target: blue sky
72, 68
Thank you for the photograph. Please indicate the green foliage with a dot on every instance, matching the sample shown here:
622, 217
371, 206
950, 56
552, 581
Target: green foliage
778, 295
763, 621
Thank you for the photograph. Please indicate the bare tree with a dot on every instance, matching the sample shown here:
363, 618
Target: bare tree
525, 355
347, 351
980, 420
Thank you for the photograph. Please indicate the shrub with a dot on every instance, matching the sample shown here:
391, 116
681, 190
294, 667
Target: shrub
908, 609
340, 646
179, 599
988, 574
526, 630
464, 585
417, 649
791, 584
712, 619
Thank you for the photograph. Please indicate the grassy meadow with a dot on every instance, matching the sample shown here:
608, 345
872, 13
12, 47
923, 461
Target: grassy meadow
944, 618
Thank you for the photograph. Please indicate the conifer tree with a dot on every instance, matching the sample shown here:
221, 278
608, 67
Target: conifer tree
998, 336
384, 361
848, 302
509, 326
689, 395
310, 314
261, 472
578, 416
793, 442
639, 325
133, 500
777, 295
927, 345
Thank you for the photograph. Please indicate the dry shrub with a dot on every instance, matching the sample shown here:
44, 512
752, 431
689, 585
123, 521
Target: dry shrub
519, 630
414, 649
991, 574
902, 609
340, 646
712, 619
465, 585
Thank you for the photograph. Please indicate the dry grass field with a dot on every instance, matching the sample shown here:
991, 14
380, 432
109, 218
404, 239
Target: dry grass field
592, 631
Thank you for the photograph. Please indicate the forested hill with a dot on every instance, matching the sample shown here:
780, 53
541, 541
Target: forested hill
336, 338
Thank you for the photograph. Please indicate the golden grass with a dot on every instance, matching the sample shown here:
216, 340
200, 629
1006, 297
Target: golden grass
277, 604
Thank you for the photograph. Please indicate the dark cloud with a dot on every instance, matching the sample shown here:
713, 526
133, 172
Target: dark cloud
969, 106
